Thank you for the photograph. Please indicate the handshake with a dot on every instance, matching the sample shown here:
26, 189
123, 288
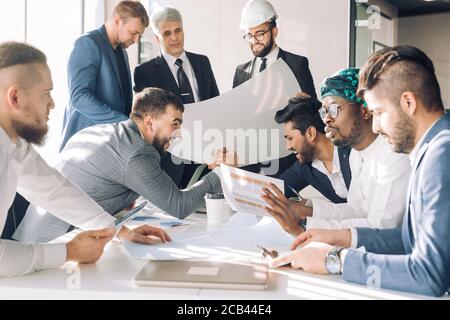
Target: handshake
223, 156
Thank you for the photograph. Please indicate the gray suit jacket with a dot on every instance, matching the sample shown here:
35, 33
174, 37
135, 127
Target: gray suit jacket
114, 165
415, 257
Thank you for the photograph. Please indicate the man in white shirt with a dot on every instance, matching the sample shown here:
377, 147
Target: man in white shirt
379, 176
25, 103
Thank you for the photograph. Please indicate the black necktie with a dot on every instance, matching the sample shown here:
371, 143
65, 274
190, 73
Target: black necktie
263, 64
187, 96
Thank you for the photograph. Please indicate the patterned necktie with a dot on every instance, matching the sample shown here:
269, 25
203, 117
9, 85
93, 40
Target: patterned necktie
187, 96
263, 64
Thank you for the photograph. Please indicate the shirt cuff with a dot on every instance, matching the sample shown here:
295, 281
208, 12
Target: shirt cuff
354, 243
342, 256
51, 256
320, 208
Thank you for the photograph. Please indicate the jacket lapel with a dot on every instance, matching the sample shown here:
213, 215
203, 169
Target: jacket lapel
111, 56
166, 75
344, 153
198, 74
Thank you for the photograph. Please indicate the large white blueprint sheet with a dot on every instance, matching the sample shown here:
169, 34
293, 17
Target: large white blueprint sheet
241, 119
236, 241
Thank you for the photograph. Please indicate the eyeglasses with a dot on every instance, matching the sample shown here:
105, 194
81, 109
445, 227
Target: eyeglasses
333, 110
259, 36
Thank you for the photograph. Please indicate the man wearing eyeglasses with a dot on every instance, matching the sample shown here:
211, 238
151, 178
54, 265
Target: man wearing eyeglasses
187, 75
117, 163
379, 175
258, 20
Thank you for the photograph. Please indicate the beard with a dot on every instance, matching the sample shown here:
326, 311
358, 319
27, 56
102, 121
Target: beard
404, 134
352, 138
266, 50
159, 144
31, 134
307, 153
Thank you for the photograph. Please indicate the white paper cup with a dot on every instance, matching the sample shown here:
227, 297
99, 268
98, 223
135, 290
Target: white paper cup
215, 204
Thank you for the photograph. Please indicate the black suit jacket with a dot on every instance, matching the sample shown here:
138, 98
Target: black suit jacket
299, 176
156, 73
298, 64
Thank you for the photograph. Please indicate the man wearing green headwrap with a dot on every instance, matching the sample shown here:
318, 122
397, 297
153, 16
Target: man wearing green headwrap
379, 176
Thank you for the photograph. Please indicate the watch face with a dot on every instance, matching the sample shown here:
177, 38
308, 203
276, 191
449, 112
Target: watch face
333, 264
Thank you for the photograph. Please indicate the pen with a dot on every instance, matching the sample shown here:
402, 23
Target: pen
296, 193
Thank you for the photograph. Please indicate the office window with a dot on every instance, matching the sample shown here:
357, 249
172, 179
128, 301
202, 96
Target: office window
12, 22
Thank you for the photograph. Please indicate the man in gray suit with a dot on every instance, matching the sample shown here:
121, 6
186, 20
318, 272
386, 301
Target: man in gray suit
99, 73
401, 89
116, 163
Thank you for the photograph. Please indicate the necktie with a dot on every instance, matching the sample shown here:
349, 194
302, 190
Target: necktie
263, 64
187, 96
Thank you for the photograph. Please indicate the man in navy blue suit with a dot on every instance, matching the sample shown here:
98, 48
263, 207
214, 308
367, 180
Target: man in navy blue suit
402, 91
99, 73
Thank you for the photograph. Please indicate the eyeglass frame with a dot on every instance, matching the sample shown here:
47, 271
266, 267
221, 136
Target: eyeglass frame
260, 34
338, 109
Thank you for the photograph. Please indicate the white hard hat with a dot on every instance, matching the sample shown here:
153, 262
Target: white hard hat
256, 12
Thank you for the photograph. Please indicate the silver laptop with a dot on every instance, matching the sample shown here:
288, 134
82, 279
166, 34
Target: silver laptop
204, 274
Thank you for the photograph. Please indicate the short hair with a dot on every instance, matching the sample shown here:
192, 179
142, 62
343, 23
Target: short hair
132, 9
400, 69
303, 111
166, 13
16, 53
154, 101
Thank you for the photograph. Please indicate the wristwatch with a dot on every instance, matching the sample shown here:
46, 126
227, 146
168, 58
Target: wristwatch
333, 262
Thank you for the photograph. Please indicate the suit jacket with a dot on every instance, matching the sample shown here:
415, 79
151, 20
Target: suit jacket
94, 85
156, 73
415, 257
114, 165
299, 176
298, 64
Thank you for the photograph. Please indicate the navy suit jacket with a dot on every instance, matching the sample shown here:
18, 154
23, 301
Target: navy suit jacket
415, 257
299, 176
94, 85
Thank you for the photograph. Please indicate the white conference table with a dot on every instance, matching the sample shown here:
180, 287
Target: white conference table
111, 278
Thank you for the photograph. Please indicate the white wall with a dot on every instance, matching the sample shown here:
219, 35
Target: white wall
430, 34
317, 29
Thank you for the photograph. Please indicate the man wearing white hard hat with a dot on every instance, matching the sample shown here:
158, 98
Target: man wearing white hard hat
258, 20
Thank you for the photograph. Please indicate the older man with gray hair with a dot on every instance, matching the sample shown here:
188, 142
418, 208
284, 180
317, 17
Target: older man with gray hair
187, 75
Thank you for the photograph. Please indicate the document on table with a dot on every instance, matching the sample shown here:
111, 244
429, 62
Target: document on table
232, 243
243, 189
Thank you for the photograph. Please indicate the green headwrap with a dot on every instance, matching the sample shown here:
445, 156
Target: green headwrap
343, 84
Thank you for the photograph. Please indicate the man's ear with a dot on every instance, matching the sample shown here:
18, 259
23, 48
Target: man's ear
117, 20
275, 32
148, 122
12, 97
408, 103
365, 112
311, 134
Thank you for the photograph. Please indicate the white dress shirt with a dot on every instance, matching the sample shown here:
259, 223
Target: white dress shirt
376, 198
335, 176
187, 69
271, 58
23, 169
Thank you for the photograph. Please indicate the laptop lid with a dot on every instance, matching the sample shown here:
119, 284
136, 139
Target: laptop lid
204, 274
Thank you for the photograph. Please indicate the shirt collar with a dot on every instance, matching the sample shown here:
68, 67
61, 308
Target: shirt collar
273, 55
415, 151
6, 142
372, 148
319, 165
171, 59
